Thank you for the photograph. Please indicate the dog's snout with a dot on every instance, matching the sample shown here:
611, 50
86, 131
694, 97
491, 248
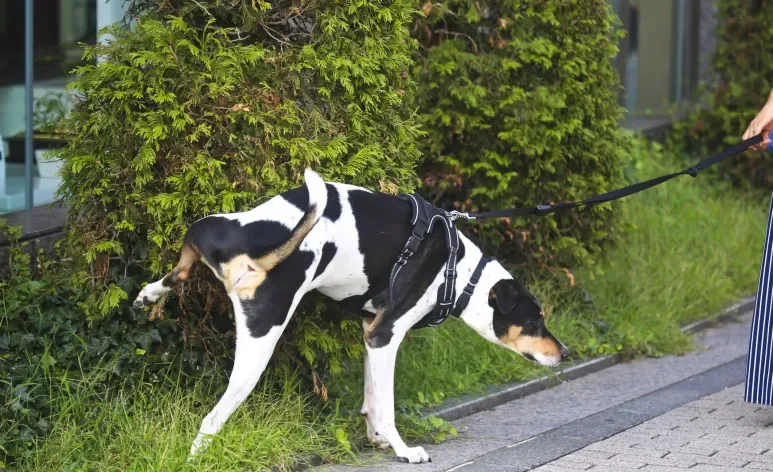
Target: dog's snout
564, 352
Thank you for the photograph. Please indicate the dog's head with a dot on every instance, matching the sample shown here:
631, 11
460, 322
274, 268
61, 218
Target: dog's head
519, 323
512, 317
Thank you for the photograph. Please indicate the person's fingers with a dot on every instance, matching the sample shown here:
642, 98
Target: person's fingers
765, 140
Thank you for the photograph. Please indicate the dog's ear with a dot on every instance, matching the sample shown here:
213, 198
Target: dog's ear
505, 294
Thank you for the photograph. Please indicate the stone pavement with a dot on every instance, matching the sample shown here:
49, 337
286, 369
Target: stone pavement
717, 433
574, 416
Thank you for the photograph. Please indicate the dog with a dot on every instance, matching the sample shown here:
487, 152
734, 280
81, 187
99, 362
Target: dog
343, 241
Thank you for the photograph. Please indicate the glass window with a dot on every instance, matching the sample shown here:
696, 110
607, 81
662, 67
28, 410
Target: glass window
658, 57
58, 27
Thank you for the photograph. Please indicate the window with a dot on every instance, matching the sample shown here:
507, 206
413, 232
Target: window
658, 59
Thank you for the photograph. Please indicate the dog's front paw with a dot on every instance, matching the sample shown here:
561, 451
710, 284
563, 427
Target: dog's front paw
415, 455
141, 301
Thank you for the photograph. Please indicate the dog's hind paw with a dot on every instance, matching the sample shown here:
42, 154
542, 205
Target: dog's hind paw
415, 455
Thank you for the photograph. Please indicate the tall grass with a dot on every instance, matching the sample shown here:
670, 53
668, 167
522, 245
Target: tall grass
693, 246
147, 428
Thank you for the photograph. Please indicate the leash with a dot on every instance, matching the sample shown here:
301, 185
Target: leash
424, 215
542, 210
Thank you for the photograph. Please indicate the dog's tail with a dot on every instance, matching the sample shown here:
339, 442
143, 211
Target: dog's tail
317, 204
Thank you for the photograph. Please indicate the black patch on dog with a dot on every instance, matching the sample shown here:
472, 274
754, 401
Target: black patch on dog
333, 207
299, 198
328, 252
383, 225
272, 300
220, 239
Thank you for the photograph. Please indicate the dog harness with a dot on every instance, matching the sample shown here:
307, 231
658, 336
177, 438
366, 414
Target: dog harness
424, 218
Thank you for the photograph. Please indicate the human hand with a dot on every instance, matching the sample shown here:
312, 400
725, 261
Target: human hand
762, 124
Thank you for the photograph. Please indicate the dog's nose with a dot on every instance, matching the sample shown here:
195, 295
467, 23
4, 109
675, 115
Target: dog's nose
564, 352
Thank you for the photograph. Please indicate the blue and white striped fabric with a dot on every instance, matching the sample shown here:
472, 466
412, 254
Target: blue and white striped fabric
759, 362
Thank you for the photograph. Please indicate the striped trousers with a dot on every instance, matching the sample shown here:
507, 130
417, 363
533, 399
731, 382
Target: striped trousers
759, 361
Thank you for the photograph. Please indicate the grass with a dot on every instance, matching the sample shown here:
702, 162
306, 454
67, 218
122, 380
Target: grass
693, 246
149, 429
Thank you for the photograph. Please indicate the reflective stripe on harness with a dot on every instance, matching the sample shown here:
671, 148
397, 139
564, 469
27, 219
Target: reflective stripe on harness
424, 219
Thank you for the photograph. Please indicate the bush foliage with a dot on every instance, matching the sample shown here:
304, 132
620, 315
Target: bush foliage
208, 107
742, 67
520, 107
46, 343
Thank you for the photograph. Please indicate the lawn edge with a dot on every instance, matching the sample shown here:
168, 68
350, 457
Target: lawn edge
466, 405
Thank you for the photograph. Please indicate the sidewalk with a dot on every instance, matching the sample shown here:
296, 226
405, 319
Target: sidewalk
718, 433
643, 414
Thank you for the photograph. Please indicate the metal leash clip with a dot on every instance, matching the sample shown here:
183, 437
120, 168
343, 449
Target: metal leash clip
454, 215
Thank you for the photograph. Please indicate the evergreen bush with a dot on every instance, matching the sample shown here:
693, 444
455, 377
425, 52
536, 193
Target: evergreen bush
519, 100
46, 344
742, 79
216, 106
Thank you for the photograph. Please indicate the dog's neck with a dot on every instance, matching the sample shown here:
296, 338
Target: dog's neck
476, 317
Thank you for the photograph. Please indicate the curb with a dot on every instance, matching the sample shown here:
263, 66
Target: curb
470, 404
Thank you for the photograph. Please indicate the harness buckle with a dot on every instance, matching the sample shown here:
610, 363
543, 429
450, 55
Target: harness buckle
450, 273
454, 215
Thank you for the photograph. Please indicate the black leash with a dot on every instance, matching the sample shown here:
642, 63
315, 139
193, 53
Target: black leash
542, 210
425, 214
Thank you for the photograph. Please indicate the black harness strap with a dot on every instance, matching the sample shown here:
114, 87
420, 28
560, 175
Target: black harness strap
424, 219
464, 298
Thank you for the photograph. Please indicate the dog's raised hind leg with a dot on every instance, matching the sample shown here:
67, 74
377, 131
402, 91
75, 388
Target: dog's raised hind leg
153, 291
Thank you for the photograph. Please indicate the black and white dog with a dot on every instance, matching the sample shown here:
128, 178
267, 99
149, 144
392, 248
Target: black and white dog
343, 241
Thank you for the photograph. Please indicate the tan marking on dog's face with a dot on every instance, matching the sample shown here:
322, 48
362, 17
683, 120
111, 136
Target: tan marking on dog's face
242, 276
531, 345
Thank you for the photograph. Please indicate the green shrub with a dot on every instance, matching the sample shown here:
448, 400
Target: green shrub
216, 106
742, 70
46, 343
520, 106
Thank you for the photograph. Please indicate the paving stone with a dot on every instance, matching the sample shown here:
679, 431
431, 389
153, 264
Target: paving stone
726, 433
660, 468
569, 462
737, 429
669, 460
680, 457
715, 468
743, 406
744, 456
590, 455
710, 403
692, 411
752, 445
759, 465
553, 468
681, 435
625, 461
604, 468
